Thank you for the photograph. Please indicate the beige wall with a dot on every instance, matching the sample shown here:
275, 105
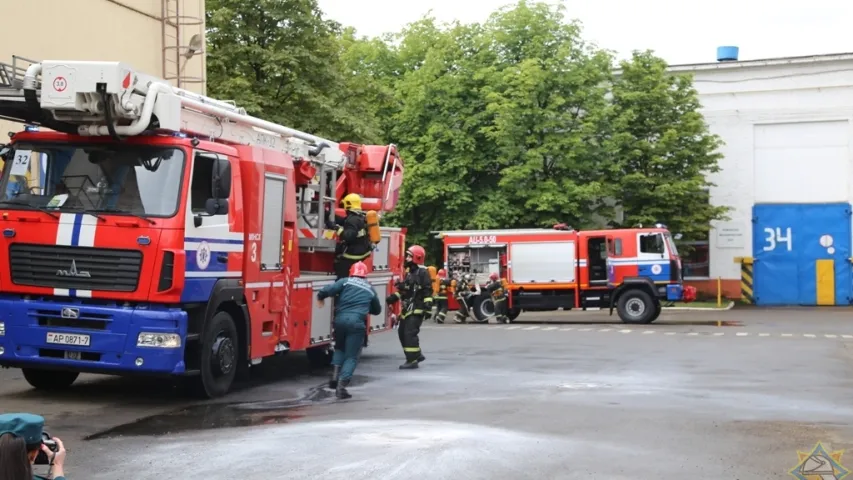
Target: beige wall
131, 31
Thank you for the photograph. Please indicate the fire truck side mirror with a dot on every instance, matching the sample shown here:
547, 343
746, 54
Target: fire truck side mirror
216, 206
221, 179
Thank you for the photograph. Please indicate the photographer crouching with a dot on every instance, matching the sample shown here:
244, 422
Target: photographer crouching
24, 443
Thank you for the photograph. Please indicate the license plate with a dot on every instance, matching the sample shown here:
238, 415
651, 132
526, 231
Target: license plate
68, 339
72, 355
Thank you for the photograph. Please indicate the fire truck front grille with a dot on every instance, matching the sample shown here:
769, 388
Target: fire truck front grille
78, 268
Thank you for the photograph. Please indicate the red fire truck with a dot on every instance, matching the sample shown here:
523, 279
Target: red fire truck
630, 270
157, 231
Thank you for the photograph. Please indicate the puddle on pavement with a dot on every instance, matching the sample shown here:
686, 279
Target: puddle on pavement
583, 386
224, 415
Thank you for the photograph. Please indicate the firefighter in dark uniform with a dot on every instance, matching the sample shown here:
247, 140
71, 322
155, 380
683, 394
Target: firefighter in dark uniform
354, 242
416, 293
445, 288
462, 292
497, 290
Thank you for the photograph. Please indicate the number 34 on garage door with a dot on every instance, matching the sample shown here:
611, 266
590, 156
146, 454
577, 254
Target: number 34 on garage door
802, 254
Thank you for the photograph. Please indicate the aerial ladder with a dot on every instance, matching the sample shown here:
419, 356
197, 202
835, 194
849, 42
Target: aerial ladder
110, 98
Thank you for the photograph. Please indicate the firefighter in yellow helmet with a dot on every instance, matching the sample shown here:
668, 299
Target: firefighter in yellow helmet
353, 240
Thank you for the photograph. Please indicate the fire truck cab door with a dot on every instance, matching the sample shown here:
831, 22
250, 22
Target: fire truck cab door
597, 249
614, 252
211, 246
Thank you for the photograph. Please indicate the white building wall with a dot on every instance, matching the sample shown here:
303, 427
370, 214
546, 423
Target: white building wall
787, 129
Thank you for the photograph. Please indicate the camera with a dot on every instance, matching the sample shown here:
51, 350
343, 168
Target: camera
50, 443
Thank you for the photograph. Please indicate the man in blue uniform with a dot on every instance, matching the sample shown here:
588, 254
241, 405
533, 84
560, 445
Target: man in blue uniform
356, 298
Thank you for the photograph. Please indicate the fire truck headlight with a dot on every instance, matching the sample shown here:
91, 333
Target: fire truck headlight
2, 329
158, 340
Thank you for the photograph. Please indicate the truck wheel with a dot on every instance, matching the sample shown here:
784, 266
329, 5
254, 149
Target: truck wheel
319, 357
484, 308
219, 357
636, 306
49, 379
658, 309
514, 313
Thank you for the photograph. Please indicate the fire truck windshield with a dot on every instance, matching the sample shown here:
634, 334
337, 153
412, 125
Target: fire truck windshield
121, 179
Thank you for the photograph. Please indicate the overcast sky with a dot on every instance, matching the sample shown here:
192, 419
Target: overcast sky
680, 31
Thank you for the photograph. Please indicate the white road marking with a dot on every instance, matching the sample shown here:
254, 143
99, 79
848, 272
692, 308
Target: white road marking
546, 328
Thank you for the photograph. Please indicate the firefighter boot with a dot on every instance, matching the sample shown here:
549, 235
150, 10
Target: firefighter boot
333, 380
421, 358
412, 360
341, 391
459, 318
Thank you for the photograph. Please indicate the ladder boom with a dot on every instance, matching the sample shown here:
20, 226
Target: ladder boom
110, 98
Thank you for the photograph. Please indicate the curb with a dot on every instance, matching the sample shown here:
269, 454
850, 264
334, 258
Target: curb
700, 309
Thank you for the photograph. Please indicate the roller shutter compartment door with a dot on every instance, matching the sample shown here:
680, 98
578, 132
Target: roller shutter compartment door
802, 254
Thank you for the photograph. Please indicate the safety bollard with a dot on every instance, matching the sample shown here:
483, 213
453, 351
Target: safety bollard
746, 295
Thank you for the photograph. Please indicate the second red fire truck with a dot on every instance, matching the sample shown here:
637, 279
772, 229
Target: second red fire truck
629, 270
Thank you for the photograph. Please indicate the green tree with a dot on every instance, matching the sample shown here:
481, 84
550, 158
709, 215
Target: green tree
661, 150
449, 159
500, 122
280, 60
547, 95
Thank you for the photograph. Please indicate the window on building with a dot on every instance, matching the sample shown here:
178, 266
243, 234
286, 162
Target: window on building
696, 264
696, 261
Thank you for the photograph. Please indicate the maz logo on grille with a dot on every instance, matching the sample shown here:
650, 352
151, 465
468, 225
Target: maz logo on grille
73, 272
68, 312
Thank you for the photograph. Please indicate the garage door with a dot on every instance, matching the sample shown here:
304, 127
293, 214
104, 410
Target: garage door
802, 254
801, 213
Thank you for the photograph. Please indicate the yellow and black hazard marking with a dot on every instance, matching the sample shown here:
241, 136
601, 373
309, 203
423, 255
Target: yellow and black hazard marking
746, 281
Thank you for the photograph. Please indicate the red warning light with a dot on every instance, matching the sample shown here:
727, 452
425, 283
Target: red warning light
126, 82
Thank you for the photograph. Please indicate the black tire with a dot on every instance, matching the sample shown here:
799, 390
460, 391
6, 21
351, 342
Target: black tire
49, 379
513, 314
220, 356
320, 357
484, 308
658, 309
636, 306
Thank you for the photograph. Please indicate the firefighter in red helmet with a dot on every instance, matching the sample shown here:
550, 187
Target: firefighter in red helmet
416, 293
497, 291
445, 288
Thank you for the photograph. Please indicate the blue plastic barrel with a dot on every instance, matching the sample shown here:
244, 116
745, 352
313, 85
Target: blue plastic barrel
727, 54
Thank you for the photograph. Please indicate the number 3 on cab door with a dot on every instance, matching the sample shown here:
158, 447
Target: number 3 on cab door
774, 237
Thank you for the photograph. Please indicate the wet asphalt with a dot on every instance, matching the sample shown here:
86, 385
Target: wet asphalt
581, 396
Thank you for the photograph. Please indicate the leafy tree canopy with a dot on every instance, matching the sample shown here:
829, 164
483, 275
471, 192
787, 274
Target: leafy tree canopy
515, 122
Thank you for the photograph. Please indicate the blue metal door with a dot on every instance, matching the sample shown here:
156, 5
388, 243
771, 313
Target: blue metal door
802, 254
